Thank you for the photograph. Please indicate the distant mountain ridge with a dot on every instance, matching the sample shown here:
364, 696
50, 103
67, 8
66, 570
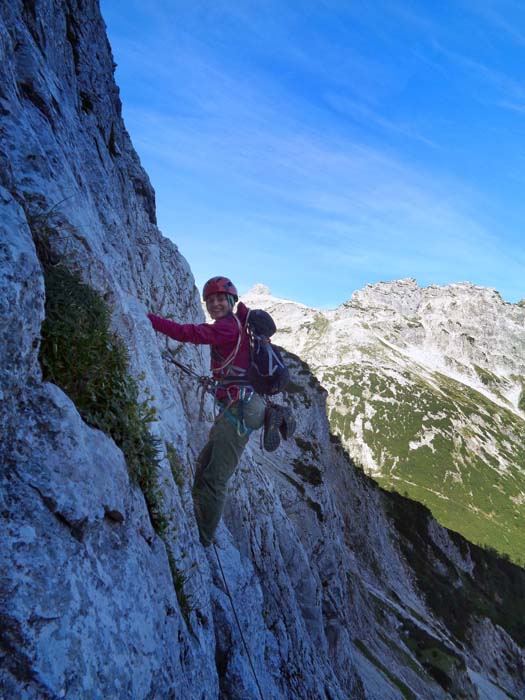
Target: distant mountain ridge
427, 392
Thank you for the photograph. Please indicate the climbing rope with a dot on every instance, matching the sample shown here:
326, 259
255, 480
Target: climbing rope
168, 355
209, 385
228, 593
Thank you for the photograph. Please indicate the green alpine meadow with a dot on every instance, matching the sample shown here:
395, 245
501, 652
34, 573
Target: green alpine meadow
440, 443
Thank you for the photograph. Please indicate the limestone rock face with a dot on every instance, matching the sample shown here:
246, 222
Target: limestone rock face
89, 608
337, 587
403, 296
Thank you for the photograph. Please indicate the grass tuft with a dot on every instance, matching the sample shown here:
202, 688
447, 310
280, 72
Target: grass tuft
81, 354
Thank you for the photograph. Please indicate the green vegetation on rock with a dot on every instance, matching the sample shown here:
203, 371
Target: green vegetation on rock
81, 354
493, 588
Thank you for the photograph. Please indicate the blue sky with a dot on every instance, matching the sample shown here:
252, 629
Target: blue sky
319, 145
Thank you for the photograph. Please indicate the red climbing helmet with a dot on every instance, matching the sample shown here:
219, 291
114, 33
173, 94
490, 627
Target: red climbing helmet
219, 285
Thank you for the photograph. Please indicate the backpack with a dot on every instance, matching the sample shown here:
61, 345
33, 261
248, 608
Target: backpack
268, 373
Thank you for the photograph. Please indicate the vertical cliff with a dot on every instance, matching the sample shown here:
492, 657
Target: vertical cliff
339, 589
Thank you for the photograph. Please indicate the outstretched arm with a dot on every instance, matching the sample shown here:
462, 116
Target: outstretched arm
200, 334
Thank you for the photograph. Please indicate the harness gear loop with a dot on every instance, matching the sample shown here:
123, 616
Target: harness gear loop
245, 396
239, 395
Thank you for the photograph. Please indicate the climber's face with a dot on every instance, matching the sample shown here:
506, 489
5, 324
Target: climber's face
217, 305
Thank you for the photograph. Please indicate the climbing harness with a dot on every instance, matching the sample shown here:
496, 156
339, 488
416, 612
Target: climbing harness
241, 395
239, 392
236, 391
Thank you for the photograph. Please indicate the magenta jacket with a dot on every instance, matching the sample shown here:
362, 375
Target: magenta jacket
222, 335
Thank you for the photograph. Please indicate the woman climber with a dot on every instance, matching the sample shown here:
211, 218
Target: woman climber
241, 409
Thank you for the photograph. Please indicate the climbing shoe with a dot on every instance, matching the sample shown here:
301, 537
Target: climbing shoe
288, 424
272, 421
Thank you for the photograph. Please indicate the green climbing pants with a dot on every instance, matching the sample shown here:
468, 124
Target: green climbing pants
219, 458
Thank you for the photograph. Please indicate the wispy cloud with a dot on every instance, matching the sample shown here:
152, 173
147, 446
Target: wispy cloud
500, 83
505, 16
281, 140
334, 203
363, 113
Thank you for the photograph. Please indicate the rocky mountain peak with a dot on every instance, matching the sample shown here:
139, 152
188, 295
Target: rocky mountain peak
403, 295
259, 290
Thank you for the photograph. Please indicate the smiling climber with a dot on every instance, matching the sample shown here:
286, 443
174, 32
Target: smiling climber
241, 410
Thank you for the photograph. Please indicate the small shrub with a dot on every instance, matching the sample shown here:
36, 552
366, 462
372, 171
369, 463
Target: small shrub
307, 446
88, 361
81, 354
176, 467
294, 388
